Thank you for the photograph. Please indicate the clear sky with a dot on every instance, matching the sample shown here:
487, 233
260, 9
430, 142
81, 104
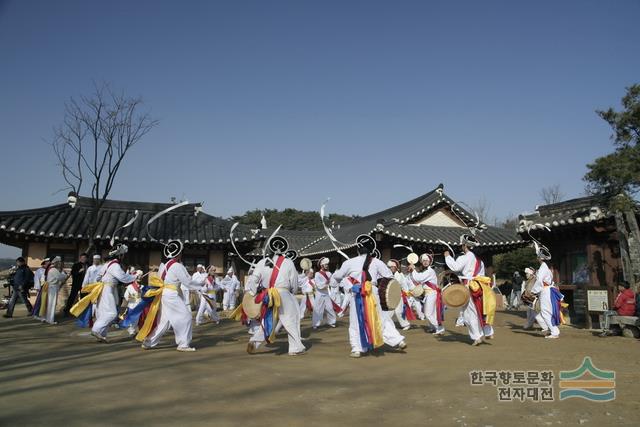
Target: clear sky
281, 104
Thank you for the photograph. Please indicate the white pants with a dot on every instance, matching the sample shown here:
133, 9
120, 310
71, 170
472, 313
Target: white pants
174, 314
431, 310
390, 334
229, 300
186, 296
531, 317
106, 310
460, 318
471, 320
323, 305
546, 312
303, 304
345, 302
398, 313
289, 317
206, 308
335, 295
52, 302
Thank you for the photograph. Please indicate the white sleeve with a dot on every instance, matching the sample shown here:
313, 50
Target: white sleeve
184, 279
118, 274
456, 265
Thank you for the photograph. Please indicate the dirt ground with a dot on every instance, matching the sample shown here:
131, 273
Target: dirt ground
58, 375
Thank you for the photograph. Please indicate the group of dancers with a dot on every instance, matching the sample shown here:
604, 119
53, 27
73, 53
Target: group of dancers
273, 283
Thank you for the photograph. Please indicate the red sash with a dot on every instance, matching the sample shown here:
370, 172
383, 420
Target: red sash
439, 302
167, 266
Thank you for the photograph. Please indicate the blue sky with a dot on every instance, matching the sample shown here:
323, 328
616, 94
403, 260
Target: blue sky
281, 104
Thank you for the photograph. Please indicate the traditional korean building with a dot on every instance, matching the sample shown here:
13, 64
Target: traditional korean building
582, 237
423, 223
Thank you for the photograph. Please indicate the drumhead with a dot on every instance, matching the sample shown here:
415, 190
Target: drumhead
418, 291
250, 307
455, 295
393, 293
413, 258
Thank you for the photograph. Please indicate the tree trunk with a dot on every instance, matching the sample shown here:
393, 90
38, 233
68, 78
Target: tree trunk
623, 237
633, 241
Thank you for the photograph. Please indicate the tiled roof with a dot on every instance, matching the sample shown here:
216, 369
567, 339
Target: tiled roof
572, 212
64, 222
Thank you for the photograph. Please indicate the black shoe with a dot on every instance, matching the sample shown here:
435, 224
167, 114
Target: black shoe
6, 316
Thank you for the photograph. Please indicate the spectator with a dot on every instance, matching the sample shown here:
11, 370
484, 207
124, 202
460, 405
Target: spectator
516, 291
22, 282
78, 271
625, 305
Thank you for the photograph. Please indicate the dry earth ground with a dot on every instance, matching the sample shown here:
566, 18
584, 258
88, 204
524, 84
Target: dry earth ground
57, 375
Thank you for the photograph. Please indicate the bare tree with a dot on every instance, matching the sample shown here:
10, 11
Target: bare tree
551, 194
91, 143
483, 209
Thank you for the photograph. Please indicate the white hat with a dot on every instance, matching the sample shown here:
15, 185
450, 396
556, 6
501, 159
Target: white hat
324, 261
393, 263
119, 250
425, 257
529, 270
230, 271
96, 256
469, 240
199, 266
46, 260
56, 259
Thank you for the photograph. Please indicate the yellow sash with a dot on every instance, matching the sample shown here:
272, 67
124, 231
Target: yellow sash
488, 297
159, 286
44, 292
94, 291
372, 310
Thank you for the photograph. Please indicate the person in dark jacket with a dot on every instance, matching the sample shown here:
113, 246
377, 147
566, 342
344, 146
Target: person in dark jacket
21, 283
78, 271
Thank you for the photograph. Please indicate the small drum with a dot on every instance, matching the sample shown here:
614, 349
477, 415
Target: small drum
455, 295
390, 292
413, 258
417, 291
250, 307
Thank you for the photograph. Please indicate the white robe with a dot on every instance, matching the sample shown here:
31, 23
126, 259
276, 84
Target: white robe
289, 313
464, 267
230, 285
542, 287
92, 274
430, 296
377, 269
133, 298
208, 301
107, 307
306, 286
173, 311
38, 278
323, 304
56, 279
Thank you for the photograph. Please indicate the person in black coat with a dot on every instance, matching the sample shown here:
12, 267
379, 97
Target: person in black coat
78, 271
21, 283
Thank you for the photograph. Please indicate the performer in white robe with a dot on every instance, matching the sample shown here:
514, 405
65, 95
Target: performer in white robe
394, 266
231, 285
530, 275
208, 298
132, 297
306, 283
352, 269
173, 311
467, 266
56, 278
428, 279
285, 282
543, 287
93, 271
198, 277
323, 311
107, 306
38, 275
